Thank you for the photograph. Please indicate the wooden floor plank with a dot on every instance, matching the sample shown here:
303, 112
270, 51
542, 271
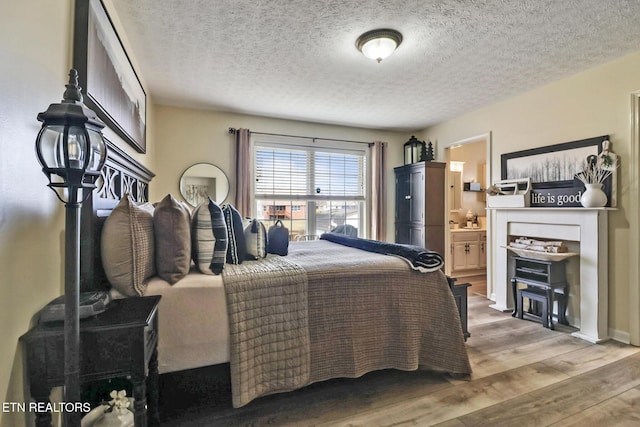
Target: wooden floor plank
485, 364
326, 400
621, 411
590, 357
452, 423
454, 402
524, 333
561, 400
506, 325
480, 313
478, 284
372, 392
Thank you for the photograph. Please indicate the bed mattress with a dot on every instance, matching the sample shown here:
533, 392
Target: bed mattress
192, 322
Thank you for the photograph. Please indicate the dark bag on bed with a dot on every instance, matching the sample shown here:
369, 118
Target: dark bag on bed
278, 239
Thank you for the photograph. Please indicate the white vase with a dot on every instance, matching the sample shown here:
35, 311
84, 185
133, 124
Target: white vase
593, 197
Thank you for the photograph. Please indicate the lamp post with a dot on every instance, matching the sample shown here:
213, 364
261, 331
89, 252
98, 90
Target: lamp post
72, 151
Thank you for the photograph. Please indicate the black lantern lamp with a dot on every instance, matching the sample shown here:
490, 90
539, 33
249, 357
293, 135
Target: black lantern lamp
412, 150
70, 146
72, 151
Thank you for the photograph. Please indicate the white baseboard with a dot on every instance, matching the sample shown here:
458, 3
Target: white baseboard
620, 336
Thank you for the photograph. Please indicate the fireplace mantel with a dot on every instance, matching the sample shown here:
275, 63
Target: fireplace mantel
585, 225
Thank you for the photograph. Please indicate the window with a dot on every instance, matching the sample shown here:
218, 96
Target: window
311, 189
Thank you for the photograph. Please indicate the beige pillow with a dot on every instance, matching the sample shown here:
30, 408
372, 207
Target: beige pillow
127, 246
172, 231
255, 234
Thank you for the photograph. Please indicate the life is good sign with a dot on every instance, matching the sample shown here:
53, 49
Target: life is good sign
567, 197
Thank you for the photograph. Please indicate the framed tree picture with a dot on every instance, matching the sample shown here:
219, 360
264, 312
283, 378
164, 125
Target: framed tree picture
111, 86
552, 170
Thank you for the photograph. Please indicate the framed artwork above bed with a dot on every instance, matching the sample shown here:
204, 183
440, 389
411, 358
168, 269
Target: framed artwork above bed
111, 86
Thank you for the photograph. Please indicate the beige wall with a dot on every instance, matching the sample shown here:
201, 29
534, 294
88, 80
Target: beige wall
36, 38
185, 137
32, 76
592, 103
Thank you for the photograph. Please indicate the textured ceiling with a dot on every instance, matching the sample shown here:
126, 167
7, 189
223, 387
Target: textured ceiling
297, 59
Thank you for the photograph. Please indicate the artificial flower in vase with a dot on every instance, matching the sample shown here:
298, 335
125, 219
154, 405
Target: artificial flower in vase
597, 170
118, 413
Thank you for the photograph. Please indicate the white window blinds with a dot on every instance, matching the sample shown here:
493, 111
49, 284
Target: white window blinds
304, 173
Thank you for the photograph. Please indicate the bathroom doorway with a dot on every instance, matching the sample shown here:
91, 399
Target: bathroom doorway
467, 180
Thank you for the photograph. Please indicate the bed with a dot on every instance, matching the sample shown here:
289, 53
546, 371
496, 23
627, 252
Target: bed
326, 310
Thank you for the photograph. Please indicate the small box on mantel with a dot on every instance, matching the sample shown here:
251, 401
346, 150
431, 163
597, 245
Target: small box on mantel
516, 193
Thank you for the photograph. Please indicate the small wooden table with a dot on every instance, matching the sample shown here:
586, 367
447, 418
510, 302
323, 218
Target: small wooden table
545, 275
121, 342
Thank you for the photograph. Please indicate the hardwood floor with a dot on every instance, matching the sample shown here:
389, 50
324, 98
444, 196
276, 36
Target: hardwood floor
523, 375
478, 284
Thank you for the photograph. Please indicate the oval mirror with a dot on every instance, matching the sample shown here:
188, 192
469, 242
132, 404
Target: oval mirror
202, 180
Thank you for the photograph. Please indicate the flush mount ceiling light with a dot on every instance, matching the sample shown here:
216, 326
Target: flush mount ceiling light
379, 44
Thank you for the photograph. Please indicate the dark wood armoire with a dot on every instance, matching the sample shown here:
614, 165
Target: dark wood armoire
420, 214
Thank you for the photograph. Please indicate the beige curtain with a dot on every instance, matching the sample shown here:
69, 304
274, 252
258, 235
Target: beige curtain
244, 172
378, 190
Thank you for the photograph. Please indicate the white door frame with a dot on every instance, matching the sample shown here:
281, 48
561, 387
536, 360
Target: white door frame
487, 137
634, 223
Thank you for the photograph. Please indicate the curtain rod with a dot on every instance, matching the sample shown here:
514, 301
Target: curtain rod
233, 131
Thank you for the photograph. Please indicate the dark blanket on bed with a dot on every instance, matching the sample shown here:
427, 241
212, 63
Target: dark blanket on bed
419, 258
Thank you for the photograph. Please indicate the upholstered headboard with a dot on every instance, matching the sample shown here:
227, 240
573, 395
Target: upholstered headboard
120, 175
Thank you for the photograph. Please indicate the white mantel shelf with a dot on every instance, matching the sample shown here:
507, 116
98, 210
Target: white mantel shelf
589, 226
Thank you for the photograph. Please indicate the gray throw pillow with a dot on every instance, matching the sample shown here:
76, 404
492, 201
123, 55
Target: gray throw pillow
172, 231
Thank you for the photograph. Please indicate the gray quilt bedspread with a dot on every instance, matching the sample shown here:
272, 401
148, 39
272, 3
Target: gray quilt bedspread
355, 312
268, 327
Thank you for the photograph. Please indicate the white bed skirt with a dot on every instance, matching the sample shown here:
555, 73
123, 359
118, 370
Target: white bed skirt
192, 322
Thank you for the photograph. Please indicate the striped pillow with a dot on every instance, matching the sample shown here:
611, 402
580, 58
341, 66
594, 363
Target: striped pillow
255, 234
237, 250
209, 237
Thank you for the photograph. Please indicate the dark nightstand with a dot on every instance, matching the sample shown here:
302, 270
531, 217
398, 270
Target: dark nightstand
121, 342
